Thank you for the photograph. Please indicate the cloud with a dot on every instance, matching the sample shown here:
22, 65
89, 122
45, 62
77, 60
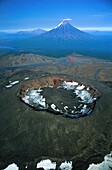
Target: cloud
67, 19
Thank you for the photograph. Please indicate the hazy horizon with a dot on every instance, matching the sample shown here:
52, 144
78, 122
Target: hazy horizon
48, 29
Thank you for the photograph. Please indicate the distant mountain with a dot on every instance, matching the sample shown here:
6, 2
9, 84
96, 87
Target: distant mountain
66, 31
33, 32
22, 34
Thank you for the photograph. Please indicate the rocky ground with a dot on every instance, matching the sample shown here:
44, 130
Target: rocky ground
28, 136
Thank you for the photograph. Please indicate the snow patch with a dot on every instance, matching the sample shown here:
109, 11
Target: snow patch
88, 88
39, 90
108, 160
83, 110
12, 167
8, 86
46, 164
53, 106
12, 83
105, 165
84, 95
26, 99
80, 87
26, 78
65, 108
66, 165
51, 86
34, 98
69, 85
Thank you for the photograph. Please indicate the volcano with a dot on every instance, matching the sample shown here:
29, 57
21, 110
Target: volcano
66, 31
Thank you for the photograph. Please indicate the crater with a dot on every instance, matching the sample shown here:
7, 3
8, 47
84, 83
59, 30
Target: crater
60, 95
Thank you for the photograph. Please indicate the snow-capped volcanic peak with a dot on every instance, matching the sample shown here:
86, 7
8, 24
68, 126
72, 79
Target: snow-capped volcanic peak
64, 22
65, 31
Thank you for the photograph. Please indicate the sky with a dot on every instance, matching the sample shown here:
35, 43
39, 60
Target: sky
47, 14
